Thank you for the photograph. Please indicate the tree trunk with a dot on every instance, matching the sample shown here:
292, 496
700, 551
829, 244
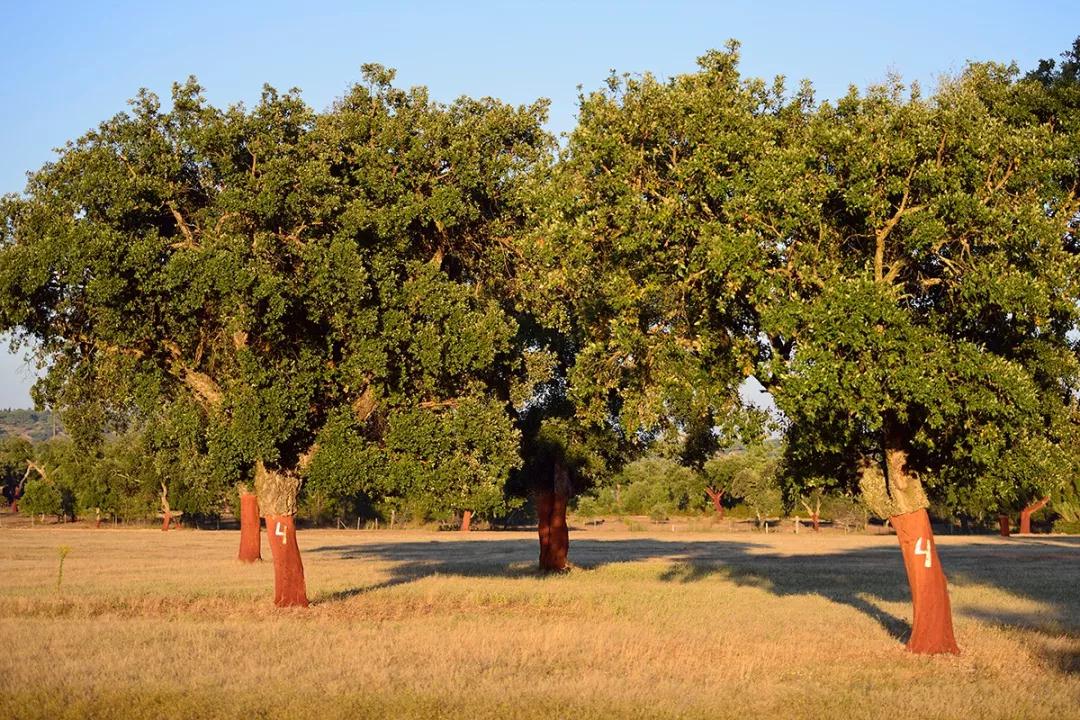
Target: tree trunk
932, 628
716, 496
166, 521
898, 495
250, 536
466, 520
545, 500
289, 587
1026, 513
815, 521
551, 521
277, 491
1003, 525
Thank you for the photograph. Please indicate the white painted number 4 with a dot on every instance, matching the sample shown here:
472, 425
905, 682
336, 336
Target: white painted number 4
281, 533
919, 550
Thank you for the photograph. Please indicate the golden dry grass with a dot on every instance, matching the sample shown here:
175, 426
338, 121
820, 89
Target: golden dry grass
414, 624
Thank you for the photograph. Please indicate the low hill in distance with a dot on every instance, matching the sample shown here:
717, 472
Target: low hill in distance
32, 424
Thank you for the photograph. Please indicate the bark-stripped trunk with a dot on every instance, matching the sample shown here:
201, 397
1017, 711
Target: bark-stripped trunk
1003, 525
289, 587
932, 628
717, 497
250, 537
1026, 513
466, 520
898, 494
277, 491
551, 521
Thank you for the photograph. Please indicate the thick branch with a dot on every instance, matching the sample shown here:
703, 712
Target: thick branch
189, 238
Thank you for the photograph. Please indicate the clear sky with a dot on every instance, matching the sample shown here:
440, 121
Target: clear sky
67, 66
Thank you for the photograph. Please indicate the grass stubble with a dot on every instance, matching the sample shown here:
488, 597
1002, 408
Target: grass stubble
409, 624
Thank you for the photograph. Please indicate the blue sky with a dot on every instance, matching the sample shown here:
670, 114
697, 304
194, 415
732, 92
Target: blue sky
67, 66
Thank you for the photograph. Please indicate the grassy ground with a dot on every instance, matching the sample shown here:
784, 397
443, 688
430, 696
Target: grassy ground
411, 624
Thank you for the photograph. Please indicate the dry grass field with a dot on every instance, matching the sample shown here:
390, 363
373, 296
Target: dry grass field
408, 624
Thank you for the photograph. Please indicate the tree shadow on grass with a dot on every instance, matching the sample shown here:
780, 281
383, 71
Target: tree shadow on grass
1043, 571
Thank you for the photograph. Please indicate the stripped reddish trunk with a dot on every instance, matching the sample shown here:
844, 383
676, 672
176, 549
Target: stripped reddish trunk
166, 521
560, 533
1003, 525
717, 497
932, 628
1026, 513
250, 537
466, 520
815, 520
289, 587
545, 500
551, 521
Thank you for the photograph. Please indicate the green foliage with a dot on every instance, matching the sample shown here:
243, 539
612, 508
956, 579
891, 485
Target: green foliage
42, 497
923, 285
234, 281
752, 476
633, 257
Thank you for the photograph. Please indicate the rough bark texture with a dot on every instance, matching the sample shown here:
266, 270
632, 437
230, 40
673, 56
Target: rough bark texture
289, 587
551, 522
932, 629
1003, 525
1026, 513
717, 497
250, 537
276, 490
466, 520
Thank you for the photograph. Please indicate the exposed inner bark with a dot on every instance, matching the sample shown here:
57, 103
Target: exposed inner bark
277, 490
897, 494
250, 536
551, 521
931, 629
1026, 513
1003, 525
466, 520
717, 497
289, 587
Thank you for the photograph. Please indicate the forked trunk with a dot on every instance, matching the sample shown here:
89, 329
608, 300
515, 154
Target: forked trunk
551, 521
277, 491
289, 587
898, 495
1003, 525
466, 520
717, 497
932, 628
1026, 513
250, 537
